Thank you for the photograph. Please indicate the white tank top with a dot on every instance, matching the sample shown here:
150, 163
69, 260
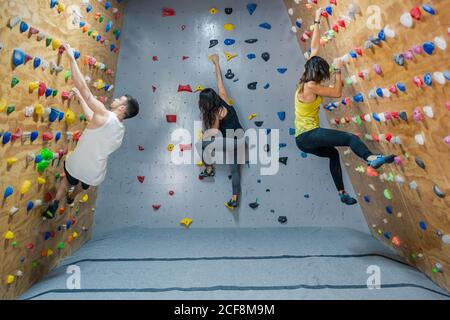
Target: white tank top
88, 161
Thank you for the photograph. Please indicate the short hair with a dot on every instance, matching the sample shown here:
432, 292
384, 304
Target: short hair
132, 107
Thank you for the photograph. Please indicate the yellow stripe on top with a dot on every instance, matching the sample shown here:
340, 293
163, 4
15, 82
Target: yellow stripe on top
306, 115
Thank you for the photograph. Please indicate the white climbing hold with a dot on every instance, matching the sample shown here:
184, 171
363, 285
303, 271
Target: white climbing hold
439, 77
291, 11
389, 32
13, 211
440, 43
420, 139
294, 29
413, 185
428, 110
446, 238
399, 179
399, 215
406, 20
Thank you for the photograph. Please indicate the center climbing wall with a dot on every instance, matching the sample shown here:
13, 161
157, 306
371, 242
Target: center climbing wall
160, 53
396, 98
40, 124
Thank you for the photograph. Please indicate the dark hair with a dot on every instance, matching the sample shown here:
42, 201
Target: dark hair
316, 69
210, 104
132, 107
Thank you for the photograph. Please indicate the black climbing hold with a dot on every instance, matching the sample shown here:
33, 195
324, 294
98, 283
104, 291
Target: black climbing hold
251, 41
213, 43
267, 148
229, 75
259, 123
267, 190
265, 56
403, 115
254, 205
420, 163
438, 192
228, 10
282, 219
284, 160
252, 86
272, 211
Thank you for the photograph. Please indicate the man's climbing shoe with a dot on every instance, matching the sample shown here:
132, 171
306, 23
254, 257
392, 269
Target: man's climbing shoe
232, 204
50, 212
380, 160
347, 199
208, 172
70, 200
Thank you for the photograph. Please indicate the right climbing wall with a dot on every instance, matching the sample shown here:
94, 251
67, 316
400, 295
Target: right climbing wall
396, 98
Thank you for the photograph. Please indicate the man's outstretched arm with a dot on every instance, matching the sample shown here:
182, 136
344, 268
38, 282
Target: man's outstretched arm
78, 79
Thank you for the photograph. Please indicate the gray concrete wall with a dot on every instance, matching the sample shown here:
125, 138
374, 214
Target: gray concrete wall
124, 202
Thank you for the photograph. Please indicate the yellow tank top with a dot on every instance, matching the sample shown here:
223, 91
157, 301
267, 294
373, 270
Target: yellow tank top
306, 115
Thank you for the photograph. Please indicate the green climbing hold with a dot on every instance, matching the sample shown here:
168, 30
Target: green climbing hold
54, 93
82, 118
41, 166
101, 19
14, 82
67, 75
34, 264
358, 120
387, 194
61, 245
14, 244
46, 154
10, 109
390, 177
48, 41
89, 32
57, 175
413, 256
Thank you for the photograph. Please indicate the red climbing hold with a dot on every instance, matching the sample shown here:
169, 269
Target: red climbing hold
358, 50
141, 179
30, 246
65, 95
48, 197
155, 58
77, 136
168, 12
171, 118
141, 148
41, 89
341, 23
335, 27
156, 206
186, 88
185, 58
416, 13
333, 2
171, 193
47, 136
388, 137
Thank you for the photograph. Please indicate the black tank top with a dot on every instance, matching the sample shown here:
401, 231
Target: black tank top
231, 120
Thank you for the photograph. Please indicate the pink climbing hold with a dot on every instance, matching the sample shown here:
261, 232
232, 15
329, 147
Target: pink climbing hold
186, 88
398, 160
141, 179
447, 105
185, 147
65, 95
155, 58
185, 58
418, 81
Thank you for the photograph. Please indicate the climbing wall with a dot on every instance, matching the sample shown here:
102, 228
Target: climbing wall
167, 49
396, 98
40, 124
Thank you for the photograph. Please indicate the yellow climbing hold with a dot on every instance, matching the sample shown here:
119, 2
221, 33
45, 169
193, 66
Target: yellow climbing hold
360, 169
170, 147
213, 11
49, 252
230, 101
85, 198
74, 235
69, 117
199, 164
199, 135
56, 43
186, 222
61, 7
10, 279
11, 161
230, 56
9, 235
41, 180
100, 84
39, 109
228, 27
33, 86
2, 105
199, 88
252, 116
94, 34
26, 185
387, 194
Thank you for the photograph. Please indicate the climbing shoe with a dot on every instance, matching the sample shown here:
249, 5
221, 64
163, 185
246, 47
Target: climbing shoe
232, 204
50, 213
380, 160
69, 200
347, 199
208, 172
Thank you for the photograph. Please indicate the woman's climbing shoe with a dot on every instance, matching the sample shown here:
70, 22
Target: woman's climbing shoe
347, 199
208, 172
380, 160
232, 204
51, 210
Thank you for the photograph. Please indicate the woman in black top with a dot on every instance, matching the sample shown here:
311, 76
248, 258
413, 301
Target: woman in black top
219, 118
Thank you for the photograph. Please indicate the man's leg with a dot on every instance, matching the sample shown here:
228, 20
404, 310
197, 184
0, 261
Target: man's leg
50, 212
78, 189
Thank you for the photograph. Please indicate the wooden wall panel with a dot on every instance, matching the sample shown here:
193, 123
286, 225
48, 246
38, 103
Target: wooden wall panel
424, 249
29, 228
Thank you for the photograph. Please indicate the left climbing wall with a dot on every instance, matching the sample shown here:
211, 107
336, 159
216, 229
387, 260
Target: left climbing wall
40, 124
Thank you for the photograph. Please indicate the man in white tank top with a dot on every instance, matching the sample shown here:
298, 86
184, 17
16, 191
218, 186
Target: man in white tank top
86, 165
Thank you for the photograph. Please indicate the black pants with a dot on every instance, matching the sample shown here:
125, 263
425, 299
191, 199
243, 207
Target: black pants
74, 181
322, 142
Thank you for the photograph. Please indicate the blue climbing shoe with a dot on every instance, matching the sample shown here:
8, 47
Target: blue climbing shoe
380, 160
347, 199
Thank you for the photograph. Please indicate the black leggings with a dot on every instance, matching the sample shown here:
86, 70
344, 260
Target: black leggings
321, 142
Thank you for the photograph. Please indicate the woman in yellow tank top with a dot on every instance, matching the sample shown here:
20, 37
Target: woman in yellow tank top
310, 138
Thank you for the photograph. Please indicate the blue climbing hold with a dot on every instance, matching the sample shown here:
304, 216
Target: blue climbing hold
268, 131
298, 23
366, 198
306, 196
401, 87
376, 117
282, 70
251, 56
117, 34
61, 116
68, 224
251, 7
23, 27
381, 35
47, 235
291, 131
77, 55
18, 57
447, 75
389, 209
428, 47
353, 54
48, 92
89, 8
82, 24
428, 79
30, 206
387, 235
358, 98
429, 9
36, 62
303, 155
329, 10
380, 92
6, 137
34, 135
282, 145
108, 26
38, 158
112, 47
8, 192
230, 42
265, 25
107, 5
58, 136
281, 115
423, 225
267, 86
53, 3
54, 114
98, 38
